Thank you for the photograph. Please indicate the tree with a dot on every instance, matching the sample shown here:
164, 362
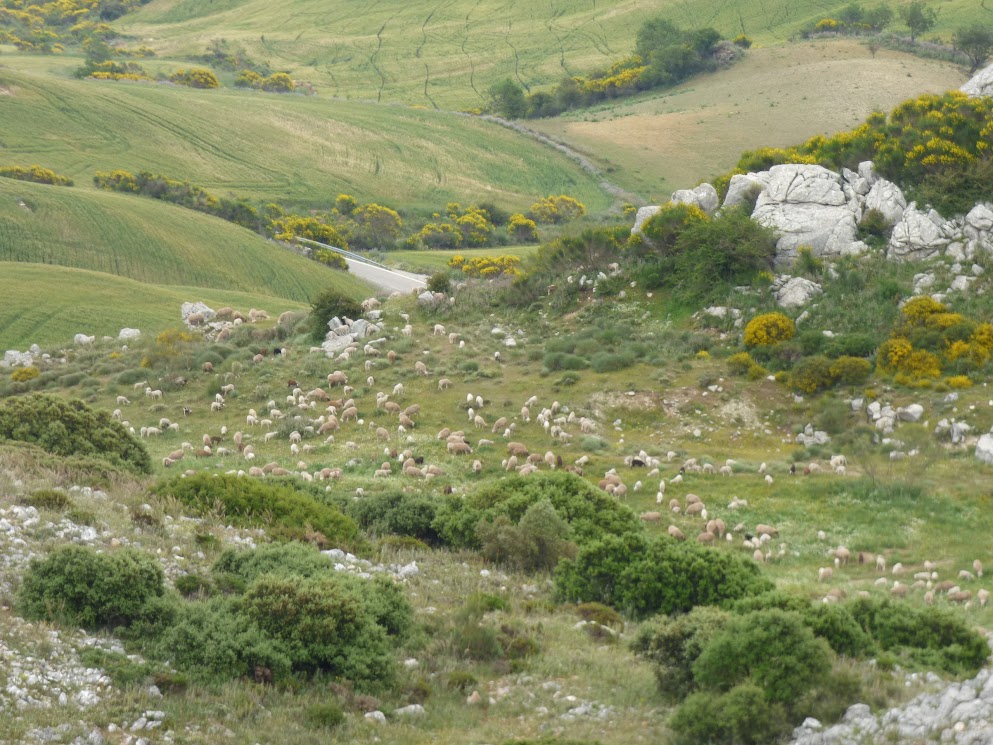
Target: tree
508, 99
878, 18
976, 43
919, 18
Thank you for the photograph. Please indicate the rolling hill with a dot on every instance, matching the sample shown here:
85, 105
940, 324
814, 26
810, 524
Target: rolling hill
446, 54
295, 150
48, 305
150, 242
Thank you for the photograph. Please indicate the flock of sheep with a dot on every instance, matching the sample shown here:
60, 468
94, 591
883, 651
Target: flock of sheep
312, 421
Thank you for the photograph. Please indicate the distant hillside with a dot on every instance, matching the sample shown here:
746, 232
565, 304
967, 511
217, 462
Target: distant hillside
775, 96
50, 304
295, 150
150, 242
447, 54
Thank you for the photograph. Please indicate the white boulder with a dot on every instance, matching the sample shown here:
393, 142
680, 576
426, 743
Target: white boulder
984, 449
916, 236
644, 215
796, 292
888, 198
703, 196
127, 334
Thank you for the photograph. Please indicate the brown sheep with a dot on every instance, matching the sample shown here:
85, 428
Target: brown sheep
705, 537
651, 517
350, 413
767, 529
518, 449
676, 533
458, 448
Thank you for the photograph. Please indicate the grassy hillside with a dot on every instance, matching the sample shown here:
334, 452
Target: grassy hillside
446, 54
48, 305
774, 97
290, 149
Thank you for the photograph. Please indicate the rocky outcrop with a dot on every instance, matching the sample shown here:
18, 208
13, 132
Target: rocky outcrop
980, 84
960, 713
917, 236
887, 198
745, 188
810, 206
644, 215
189, 309
984, 449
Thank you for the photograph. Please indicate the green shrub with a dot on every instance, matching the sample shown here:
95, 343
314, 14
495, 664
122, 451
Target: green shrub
324, 716
563, 361
324, 624
71, 428
537, 542
285, 512
604, 362
439, 282
396, 513
328, 304
673, 644
742, 716
124, 671
79, 586
589, 512
850, 370
642, 577
771, 648
811, 374
192, 584
47, 499
932, 638
849, 345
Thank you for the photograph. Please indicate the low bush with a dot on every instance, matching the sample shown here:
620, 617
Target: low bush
642, 577
284, 511
324, 716
768, 329
850, 370
47, 499
24, 374
79, 586
589, 512
396, 513
71, 428
811, 374
537, 542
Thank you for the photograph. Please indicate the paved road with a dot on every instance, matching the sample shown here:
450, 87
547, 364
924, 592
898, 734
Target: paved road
388, 279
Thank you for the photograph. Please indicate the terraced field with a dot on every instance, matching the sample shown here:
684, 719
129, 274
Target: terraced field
446, 53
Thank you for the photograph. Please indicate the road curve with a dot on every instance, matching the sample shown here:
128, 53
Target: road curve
390, 280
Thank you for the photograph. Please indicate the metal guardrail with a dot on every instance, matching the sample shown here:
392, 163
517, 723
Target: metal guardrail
343, 252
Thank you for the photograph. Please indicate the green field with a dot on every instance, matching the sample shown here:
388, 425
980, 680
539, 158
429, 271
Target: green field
294, 150
48, 305
446, 54
150, 242
433, 261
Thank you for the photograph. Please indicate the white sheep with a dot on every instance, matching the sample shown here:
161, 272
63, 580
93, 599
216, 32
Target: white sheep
439, 330
123, 401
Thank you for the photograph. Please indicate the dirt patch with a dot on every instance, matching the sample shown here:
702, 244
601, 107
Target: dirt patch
742, 410
4, 91
639, 401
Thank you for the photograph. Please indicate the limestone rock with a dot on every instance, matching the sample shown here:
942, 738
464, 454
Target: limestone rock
743, 188
13, 358
703, 196
796, 292
984, 449
915, 236
911, 413
980, 84
980, 217
888, 198
362, 328
81, 339
188, 309
644, 215
127, 334
807, 206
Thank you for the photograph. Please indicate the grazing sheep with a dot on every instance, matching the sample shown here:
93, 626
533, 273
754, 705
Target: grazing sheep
651, 517
677, 479
977, 567
479, 422
838, 460
439, 330
420, 368
477, 466
453, 337
762, 529
406, 421
726, 471
350, 413
899, 591
444, 384
842, 554
758, 557
705, 537
257, 359
880, 563
966, 575
696, 508
929, 597
961, 596
983, 596
518, 449
824, 574
768, 479
676, 533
